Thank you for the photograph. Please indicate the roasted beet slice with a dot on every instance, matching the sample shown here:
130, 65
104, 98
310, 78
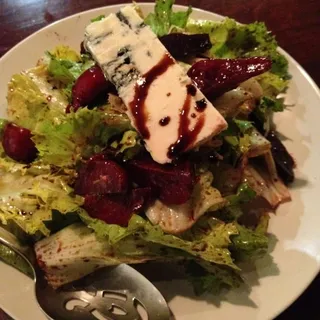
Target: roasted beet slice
112, 209
17, 143
88, 87
186, 45
217, 76
173, 184
100, 176
282, 158
140, 197
175, 194
116, 208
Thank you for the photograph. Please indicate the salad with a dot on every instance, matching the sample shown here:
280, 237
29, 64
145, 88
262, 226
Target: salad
153, 142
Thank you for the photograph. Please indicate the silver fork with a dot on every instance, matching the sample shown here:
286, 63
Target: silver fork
112, 293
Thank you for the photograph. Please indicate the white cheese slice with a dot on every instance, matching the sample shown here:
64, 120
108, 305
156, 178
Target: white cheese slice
135, 61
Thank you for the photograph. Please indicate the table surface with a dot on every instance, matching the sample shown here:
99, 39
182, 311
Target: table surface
296, 24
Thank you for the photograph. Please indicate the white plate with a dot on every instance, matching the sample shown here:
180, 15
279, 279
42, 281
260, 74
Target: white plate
277, 282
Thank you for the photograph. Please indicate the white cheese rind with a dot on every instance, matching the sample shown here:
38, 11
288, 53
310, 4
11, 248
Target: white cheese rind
127, 49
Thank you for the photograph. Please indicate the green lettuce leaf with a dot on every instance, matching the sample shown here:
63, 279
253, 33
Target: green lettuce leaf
164, 18
60, 220
249, 244
272, 84
81, 252
112, 232
237, 136
180, 18
65, 53
98, 18
64, 71
32, 99
65, 66
83, 133
243, 125
242, 138
129, 145
233, 211
254, 39
211, 245
29, 194
266, 107
211, 278
244, 194
218, 33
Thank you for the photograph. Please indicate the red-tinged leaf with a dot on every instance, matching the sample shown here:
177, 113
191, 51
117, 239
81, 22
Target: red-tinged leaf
217, 76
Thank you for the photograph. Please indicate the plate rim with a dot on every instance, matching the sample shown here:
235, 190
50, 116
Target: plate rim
300, 68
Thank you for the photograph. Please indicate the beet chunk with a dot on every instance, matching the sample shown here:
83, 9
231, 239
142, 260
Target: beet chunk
217, 76
282, 158
101, 176
90, 85
112, 209
17, 143
173, 184
140, 197
116, 208
186, 45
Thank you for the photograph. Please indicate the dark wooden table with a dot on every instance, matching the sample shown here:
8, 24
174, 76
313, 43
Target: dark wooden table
296, 24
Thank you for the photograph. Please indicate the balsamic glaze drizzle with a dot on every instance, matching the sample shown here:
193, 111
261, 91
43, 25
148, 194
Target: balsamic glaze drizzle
137, 105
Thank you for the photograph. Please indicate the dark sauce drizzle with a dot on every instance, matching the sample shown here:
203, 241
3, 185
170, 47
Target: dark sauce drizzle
191, 89
185, 136
164, 121
201, 105
137, 105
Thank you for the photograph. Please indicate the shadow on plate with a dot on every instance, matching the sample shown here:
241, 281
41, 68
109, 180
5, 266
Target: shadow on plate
170, 279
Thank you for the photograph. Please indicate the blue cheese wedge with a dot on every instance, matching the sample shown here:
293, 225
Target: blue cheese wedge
165, 107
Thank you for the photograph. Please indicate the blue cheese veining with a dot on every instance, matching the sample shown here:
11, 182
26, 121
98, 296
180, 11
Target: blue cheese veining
152, 85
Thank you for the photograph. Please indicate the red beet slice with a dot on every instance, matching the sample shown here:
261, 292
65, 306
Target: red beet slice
217, 76
186, 45
116, 208
172, 183
175, 194
18, 145
89, 86
140, 197
112, 209
284, 161
101, 176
